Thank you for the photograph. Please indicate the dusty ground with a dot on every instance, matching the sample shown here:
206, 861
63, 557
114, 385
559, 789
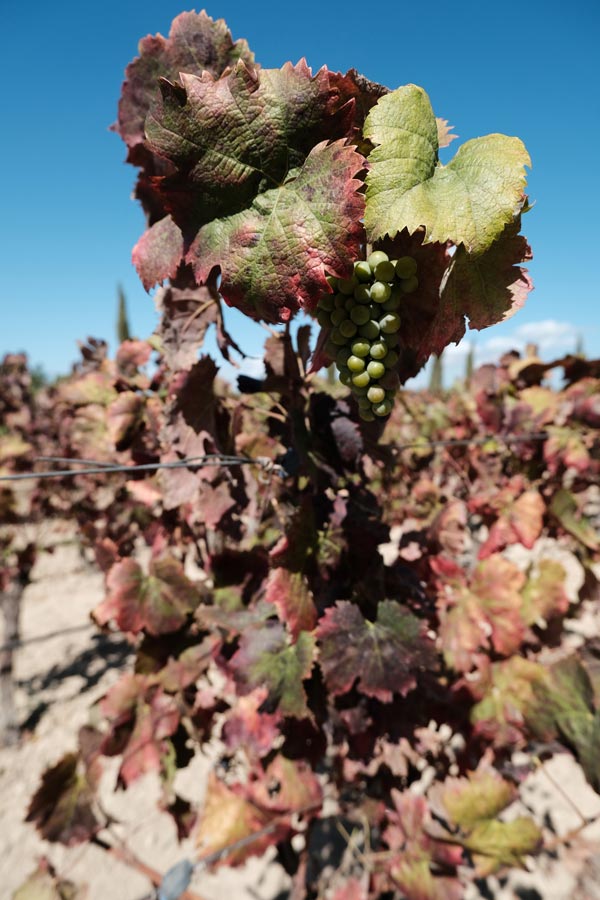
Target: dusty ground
59, 678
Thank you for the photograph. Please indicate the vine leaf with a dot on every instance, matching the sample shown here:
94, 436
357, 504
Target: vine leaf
44, 884
384, 655
471, 805
564, 508
265, 657
159, 602
545, 593
228, 816
290, 593
196, 43
273, 256
520, 521
287, 785
464, 802
416, 857
485, 612
63, 807
495, 844
469, 201
159, 252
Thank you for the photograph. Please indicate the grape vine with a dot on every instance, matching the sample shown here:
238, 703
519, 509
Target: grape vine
360, 640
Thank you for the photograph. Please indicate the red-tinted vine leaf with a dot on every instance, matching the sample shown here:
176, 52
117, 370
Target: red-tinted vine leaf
159, 602
95, 387
290, 593
485, 613
544, 595
286, 785
563, 507
45, 884
352, 889
158, 253
132, 355
186, 314
384, 655
416, 855
265, 657
123, 416
227, 817
231, 137
273, 256
248, 728
64, 808
491, 287
180, 673
195, 43
565, 446
156, 719
520, 522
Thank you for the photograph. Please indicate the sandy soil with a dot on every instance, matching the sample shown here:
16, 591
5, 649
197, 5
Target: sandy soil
58, 678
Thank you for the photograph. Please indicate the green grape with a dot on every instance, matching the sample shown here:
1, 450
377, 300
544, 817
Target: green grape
363, 402
378, 350
390, 323
376, 369
376, 394
362, 270
338, 316
338, 338
359, 391
369, 330
393, 303
345, 378
385, 271
406, 267
380, 291
338, 301
355, 364
342, 356
332, 281
323, 318
346, 285
391, 359
409, 285
348, 328
360, 314
367, 415
362, 293
326, 302
376, 257
361, 379
361, 348
382, 409
392, 340
349, 304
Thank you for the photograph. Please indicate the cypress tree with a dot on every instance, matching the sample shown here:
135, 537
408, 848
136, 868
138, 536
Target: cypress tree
123, 332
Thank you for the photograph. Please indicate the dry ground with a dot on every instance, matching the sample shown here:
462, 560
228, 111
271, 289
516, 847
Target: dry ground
58, 678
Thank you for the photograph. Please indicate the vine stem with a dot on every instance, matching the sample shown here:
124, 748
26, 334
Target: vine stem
127, 856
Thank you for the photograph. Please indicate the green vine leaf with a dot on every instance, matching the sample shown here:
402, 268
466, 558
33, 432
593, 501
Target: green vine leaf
469, 201
265, 657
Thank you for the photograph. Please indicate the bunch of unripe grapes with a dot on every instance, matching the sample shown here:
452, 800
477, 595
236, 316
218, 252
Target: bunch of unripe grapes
363, 315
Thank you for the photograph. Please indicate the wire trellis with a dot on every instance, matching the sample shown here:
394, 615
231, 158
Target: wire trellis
97, 467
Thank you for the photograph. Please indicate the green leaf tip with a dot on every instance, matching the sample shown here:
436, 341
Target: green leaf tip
469, 201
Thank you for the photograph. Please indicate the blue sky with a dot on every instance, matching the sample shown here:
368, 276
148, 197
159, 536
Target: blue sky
69, 223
